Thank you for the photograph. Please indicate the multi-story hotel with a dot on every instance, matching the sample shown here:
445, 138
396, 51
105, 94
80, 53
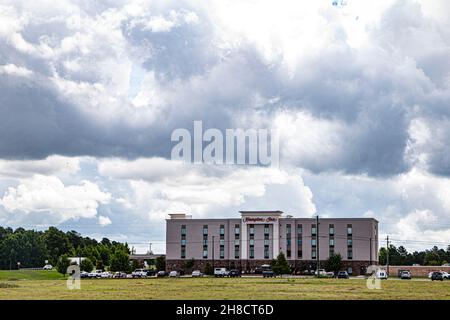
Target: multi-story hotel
259, 236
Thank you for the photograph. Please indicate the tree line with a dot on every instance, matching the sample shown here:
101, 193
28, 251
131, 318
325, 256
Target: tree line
400, 256
31, 249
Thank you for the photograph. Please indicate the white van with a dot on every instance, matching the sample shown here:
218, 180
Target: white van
220, 272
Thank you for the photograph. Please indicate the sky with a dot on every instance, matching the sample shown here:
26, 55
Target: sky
90, 92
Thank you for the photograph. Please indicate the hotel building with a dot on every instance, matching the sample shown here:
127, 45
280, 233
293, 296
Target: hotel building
259, 236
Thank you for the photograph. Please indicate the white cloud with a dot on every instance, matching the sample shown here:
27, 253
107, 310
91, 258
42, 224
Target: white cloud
46, 198
12, 69
162, 186
104, 221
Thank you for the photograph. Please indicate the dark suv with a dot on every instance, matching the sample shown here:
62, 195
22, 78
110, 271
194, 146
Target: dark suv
437, 276
342, 275
234, 273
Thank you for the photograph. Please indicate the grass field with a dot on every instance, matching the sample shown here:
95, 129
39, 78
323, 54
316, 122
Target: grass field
30, 285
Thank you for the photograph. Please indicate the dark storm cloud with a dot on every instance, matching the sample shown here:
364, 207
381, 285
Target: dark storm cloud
374, 92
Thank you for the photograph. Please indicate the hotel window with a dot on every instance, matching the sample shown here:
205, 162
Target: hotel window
331, 242
252, 229
331, 251
183, 252
288, 241
299, 241
205, 230
236, 252
205, 252
266, 252
222, 242
183, 242
222, 229
313, 253
237, 242
183, 230
237, 229
349, 230
349, 242
349, 253
313, 242
222, 252
252, 252
252, 242
331, 229
266, 242
266, 229
313, 230
205, 240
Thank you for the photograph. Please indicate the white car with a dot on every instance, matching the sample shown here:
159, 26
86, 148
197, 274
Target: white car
381, 274
106, 275
95, 274
48, 267
445, 275
196, 274
139, 273
174, 274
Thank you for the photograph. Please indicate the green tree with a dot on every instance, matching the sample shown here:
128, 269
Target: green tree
62, 264
119, 261
99, 265
334, 263
280, 265
160, 263
189, 264
86, 265
208, 269
57, 244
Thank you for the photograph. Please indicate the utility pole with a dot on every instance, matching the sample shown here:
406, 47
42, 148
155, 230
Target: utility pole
370, 251
317, 243
387, 255
150, 248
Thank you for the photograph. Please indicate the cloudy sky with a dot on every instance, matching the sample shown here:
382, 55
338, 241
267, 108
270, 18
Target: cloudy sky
91, 91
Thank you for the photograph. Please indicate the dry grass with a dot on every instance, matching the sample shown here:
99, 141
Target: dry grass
243, 288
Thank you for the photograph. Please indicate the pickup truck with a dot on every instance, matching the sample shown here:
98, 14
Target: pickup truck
139, 273
95, 274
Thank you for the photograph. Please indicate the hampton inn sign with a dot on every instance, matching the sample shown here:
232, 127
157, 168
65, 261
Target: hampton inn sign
259, 236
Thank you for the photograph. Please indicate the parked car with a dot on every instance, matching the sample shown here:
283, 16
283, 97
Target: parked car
342, 275
381, 274
234, 273
106, 275
120, 275
48, 267
220, 272
139, 273
321, 272
445, 275
196, 274
267, 271
151, 273
174, 274
95, 274
405, 275
437, 276
84, 274
161, 274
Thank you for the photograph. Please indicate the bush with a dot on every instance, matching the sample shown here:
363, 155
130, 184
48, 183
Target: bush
119, 261
86, 265
62, 264
334, 263
208, 269
280, 265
